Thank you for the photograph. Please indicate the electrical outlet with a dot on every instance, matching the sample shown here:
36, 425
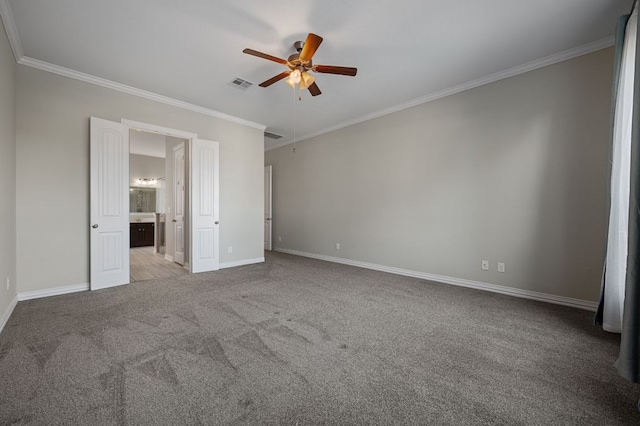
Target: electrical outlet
230, 249
8, 282
279, 239
500, 267
337, 246
485, 265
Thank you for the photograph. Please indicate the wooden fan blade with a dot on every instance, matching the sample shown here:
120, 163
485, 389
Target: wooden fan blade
314, 90
274, 79
264, 56
310, 46
330, 69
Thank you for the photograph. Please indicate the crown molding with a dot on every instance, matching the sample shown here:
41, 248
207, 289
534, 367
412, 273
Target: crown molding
16, 47
10, 29
88, 78
491, 78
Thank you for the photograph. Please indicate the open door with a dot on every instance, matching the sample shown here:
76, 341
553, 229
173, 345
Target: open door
267, 207
109, 205
205, 205
179, 162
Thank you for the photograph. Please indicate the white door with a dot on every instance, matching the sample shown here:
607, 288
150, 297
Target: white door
178, 206
109, 203
267, 207
205, 205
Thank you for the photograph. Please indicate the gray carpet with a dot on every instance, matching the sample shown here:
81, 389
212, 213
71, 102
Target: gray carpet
301, 341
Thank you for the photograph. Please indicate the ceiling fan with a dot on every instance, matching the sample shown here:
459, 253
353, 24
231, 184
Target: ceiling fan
300, 63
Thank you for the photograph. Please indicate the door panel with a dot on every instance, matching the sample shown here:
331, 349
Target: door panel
204, 198
179, 175
109, 203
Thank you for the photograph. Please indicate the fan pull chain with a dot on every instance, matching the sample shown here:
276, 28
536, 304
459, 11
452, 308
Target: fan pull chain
294, 120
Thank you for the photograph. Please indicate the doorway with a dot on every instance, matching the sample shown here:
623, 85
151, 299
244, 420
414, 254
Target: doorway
109, 201
157, 206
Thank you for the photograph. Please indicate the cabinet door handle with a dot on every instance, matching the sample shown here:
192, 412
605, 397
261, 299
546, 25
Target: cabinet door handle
94, 226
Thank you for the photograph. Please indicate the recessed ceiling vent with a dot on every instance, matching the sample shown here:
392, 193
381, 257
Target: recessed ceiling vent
272, 135
241, 83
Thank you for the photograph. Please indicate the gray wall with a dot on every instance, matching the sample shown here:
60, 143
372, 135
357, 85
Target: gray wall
53, 174
8, 173
514, 171
143, 166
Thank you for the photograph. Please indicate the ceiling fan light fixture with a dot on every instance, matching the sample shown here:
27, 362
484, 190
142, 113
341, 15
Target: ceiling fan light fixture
295, 76
290, 82
308, 79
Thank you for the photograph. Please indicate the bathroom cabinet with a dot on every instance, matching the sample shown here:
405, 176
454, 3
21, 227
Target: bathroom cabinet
141, 234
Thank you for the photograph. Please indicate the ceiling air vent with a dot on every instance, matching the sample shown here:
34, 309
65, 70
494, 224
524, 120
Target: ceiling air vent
241, 83
272, 135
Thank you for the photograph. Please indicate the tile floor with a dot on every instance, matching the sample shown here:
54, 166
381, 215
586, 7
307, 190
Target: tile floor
147, 265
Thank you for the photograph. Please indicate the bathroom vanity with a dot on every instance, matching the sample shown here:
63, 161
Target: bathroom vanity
141, 234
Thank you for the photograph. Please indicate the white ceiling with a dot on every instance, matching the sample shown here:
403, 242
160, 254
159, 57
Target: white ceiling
405, 51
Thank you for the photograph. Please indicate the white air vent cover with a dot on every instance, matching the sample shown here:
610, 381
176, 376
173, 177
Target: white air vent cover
241, 83
272, 135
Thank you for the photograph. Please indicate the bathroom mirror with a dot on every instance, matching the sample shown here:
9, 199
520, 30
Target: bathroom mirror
142, 200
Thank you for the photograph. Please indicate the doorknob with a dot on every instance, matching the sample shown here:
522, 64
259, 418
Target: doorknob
95, 225
173, 220
217, 222
268, 218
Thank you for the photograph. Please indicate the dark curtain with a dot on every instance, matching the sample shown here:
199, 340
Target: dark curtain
621, 27
628, 364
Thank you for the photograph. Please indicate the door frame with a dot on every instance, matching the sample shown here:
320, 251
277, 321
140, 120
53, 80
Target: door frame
152, 128
181, 134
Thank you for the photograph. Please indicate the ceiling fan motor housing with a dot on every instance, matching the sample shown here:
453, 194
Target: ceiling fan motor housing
295, 58
295, 62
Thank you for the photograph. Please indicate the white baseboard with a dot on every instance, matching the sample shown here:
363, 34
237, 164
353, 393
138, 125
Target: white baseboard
241, 262
168, 257
28, 295
7, 313
510, 291
37, 294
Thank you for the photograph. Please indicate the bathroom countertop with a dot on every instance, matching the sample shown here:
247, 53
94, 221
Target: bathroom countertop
142, 220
